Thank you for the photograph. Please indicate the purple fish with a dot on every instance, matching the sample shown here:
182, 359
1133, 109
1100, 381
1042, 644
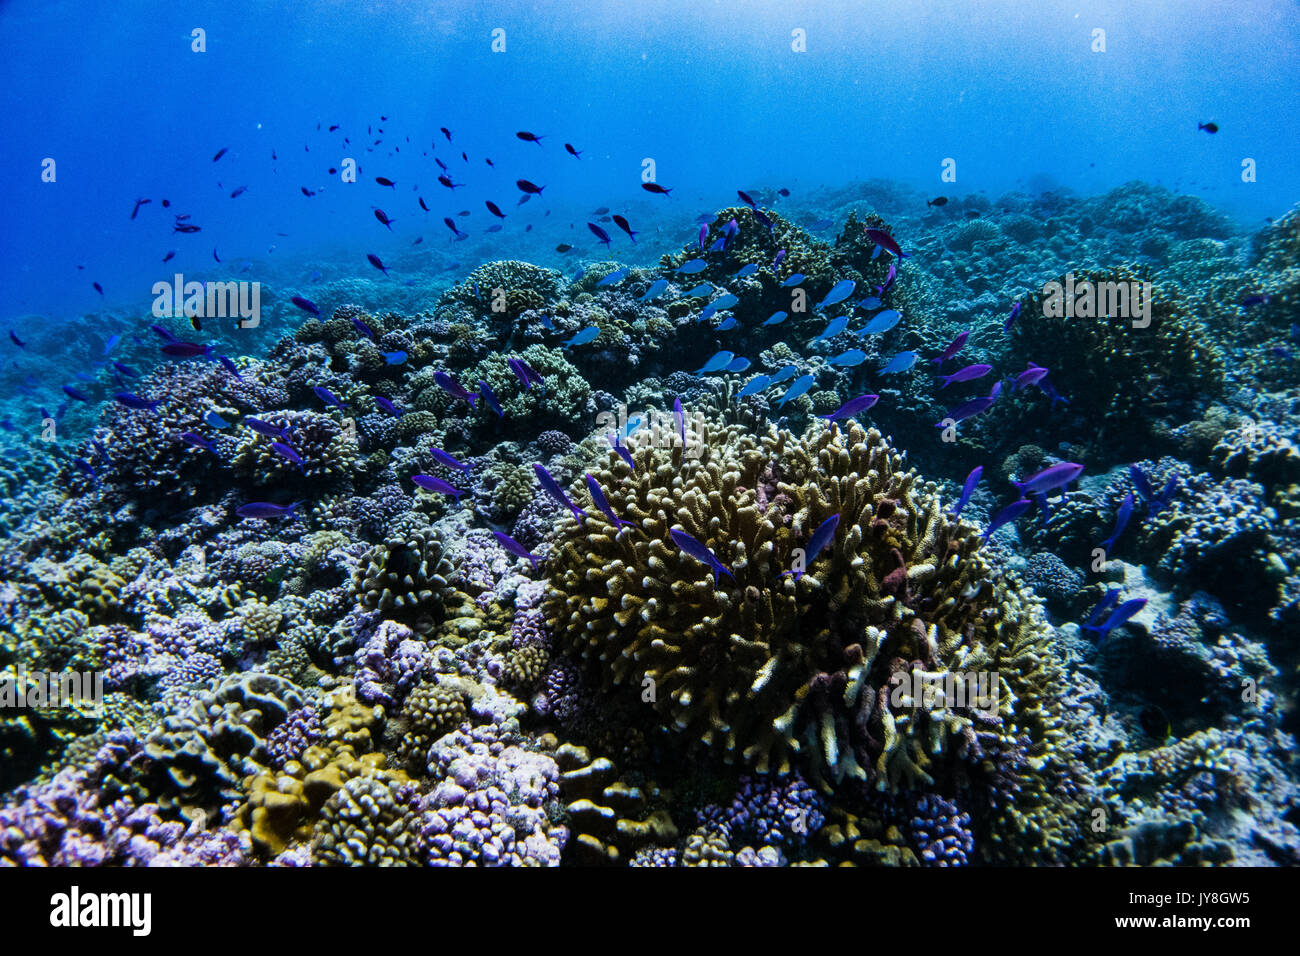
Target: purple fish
388, 406
229, 366
889, 279
489, 396
823, 536
430, 483
968, 489
885, 241
197, 440
995, 392
621, 450
514, 547
1052, 393
1010, 513
763, 221
264, 509
955, 346
968, 409
680, 418
1121, 521
704, 234
1015, 311
533, 377
1120, 615
1141, 483
552, 488
699, 552
375, 261
600, 501
364, 329
453, 387
776, 261
730, 232
284, 451
442, 458
131, 400
187, 350
517, 367
1032, 375
126, 370
854, 406
75, 393
328, 397
1051, 477
307, 305
266, 428
167, 336
967, 374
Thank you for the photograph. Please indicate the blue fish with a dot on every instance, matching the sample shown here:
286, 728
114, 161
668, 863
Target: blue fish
1008, 514
74, 393
388, 406
431, 483
692, 266
834, 328
870, 302
854, 406
776, 318
394, 358
797, 388
442, 458
656, 288
514, 547
724, 301
839, 292
547, 323
1119, 616
968, 489
882, 322
131, 400
582, 337
700, 291
1108, 601
823, 536
618, 275
285, 451
1121, 521
755, 385
489, 396
552, 488
718, 244
695, 549
727, 324
621, 450
229, 366
746, 270
453, 387
328, 397
900, 363
264, 428
112, 341
600, 501
718, 362
785, 372
126, 370
848, 359
794, 279
1141, 483
737, 365
197, 440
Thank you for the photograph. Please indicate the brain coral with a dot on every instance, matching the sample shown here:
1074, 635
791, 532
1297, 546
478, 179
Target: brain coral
769, 668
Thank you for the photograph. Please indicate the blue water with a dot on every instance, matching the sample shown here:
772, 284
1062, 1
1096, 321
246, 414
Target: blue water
712, 93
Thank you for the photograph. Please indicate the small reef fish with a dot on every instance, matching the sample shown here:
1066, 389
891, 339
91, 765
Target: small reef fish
264, 509
489, 396
833, 328
442, 458
1119, 616
848, 359
955, 346
430, 483
823, 536
882, 322
839, 292
797, 388
967, 374
697, 550
328, 397
718, 362
656, 289
754, 386
453, 387
514, 547
552, 488
692, 266
582, 337
1050, 478
600, 501
967, 489
899, 363
1121, 521
1008, 514
854, 406
131, 400
776, 318
885, 241
387, 405
784, 373
793, 279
